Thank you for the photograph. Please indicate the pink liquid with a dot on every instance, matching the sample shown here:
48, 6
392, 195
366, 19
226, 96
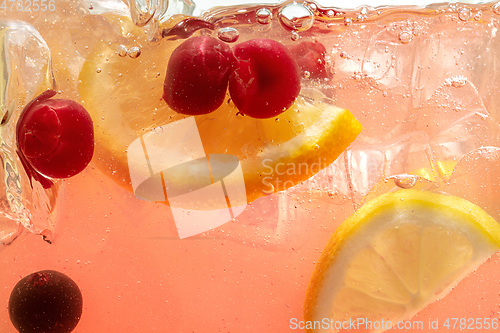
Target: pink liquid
416, 79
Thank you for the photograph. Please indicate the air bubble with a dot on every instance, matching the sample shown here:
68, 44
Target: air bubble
228, 35
296, 17
405, 37
98, 70
306, 74
347, 21
464, 14
330, 13
264, 16
478, 16
134, 52
294, 36
122, 50
405, 181
343, 55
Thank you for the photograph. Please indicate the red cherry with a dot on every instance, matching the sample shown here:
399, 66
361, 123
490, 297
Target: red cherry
266, 80
311, 57
197, 75
56, 137
45, 301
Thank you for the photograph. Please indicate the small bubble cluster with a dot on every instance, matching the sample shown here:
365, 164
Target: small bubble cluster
133, 52
456, 81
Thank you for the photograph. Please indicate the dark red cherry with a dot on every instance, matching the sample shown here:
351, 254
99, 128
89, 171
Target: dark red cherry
45, 302
197, 75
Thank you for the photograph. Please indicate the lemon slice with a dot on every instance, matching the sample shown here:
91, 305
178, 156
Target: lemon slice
398, 253
124, 97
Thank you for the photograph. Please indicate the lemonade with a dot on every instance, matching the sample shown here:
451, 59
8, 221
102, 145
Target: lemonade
343, 168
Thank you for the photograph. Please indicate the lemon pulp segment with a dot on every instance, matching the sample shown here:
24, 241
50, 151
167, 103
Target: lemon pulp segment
398, 253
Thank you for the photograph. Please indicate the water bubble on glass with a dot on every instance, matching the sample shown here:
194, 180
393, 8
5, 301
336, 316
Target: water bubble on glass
464, 14
228, 35
296, 17
264, 16
364, 11
347, 21
294, 36
330, 13
478, 16
405, 37
306, 74
405, 181
122, 50
134, 52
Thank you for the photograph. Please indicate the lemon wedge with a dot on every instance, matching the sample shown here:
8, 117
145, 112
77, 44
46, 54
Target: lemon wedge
124, 97
396, 254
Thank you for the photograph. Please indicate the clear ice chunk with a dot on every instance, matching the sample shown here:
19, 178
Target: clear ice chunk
475, 178
25, 73
153, 13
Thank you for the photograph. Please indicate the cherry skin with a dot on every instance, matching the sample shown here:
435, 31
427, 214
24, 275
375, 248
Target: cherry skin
45, 301
266, 80
311, 58
56, 137
197, 75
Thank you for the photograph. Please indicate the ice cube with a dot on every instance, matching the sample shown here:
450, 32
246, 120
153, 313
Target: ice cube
475, 178
26, 73
456, 121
